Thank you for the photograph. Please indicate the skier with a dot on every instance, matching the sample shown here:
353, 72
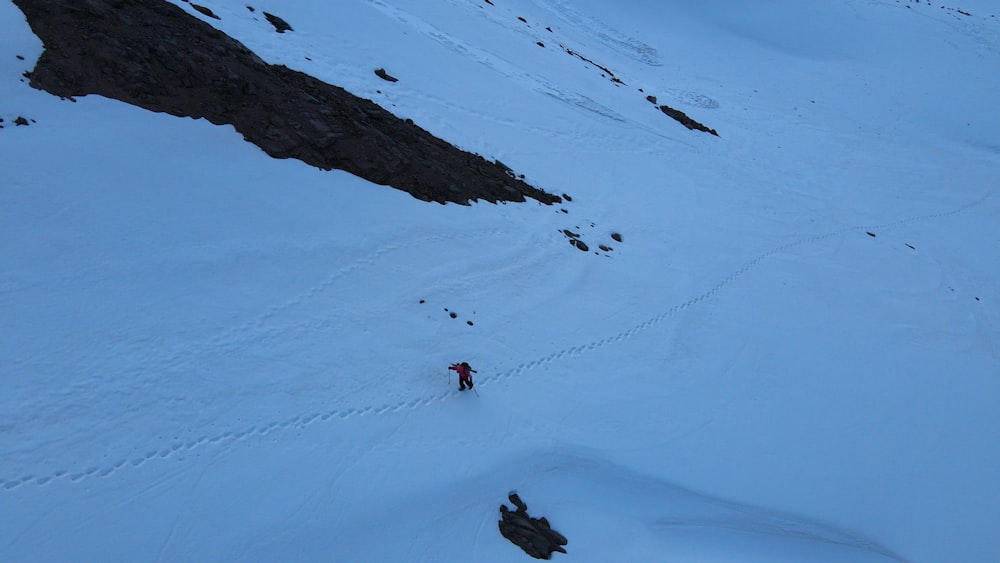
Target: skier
465, 372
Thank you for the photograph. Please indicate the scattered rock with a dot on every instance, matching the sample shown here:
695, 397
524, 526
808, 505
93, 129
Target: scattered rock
579, 244
19, 57
534, 535
651, 99
911, 246
381, 73
614, 78
616, 236
522, 19
540, 44
871, 234
251, 9
279, 24
21, 121
566, 197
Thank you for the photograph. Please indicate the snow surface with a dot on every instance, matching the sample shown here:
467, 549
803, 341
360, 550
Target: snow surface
210, 355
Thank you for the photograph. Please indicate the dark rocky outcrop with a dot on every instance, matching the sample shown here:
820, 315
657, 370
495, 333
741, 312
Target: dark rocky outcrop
534, 535
155, 55
686, 121
381, 73
279, 24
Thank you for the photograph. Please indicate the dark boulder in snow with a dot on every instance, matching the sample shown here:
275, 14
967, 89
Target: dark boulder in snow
534, 535
279, 24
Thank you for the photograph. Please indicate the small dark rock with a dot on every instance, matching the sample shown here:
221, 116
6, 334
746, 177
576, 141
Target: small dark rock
871, 234
522, 19
468, 323
21, 121
540, 44
205, 11
279, 24
579, 244
567, 198
251, 9
616, 236
19, 57
651, 99
453, 315
381, 73
911, 246
570, 233
605, 247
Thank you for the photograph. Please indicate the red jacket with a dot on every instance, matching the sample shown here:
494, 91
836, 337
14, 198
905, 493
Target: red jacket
463, 372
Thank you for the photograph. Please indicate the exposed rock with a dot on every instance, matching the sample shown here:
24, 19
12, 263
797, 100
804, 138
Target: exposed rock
279, 24
21, 121
616, 236
205, 11
155, 55
612, 76
534, 535
381, 73
686, 121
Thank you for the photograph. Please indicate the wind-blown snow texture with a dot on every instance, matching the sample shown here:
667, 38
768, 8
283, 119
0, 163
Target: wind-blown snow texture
793, 354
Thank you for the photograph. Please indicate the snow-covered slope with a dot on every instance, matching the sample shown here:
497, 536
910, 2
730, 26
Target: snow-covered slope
793, 353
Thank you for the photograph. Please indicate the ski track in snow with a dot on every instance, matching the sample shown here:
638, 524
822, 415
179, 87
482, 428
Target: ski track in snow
515, 73
306, 420
629, 46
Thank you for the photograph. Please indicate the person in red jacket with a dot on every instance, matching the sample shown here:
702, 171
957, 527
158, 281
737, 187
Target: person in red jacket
465, 372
